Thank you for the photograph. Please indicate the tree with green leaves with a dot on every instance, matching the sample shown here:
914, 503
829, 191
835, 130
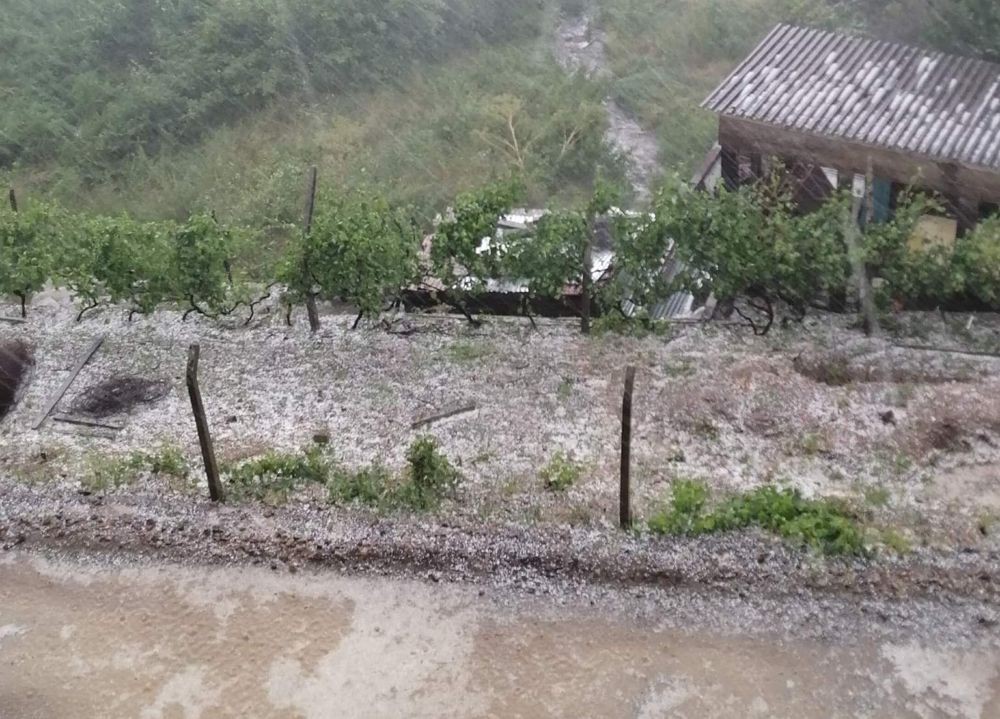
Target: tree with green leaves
200, 270
32, 246
548, 258
96, 83
914, 274
359, 250
978, 261
968, 27
465, 254
748, 243
124, 262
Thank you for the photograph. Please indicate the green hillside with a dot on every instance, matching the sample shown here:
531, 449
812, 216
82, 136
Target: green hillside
164, 107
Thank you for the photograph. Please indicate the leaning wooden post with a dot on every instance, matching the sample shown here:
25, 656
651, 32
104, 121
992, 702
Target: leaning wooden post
207, 451
12, 197
625, 496
307, 221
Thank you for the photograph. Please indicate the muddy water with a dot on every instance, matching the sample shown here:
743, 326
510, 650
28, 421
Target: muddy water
580, 47
167, 642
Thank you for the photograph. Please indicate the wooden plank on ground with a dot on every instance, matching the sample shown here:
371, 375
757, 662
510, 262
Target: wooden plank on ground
85, 422
444, 414
80, 364
947, 350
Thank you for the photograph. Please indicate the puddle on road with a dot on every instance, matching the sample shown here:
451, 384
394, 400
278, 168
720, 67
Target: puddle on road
174, 643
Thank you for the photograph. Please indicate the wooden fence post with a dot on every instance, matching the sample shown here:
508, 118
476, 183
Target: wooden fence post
587, 280
201, 420
307, 220
625, 495
12, 197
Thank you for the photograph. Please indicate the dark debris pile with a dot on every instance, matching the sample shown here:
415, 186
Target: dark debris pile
15, 360
119, 394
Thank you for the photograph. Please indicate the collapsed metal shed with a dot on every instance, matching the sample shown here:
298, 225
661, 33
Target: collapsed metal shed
502, 295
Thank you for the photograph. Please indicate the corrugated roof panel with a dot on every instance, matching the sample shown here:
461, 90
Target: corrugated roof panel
838, 85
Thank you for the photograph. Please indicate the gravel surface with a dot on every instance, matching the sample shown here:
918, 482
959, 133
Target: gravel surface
537, 558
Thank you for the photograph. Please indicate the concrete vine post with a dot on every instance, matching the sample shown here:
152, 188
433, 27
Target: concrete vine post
625, 494
307, 220
201, 420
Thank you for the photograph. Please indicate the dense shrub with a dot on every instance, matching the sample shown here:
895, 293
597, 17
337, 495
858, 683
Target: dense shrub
926, 275
431, 475
149, 75
127, 262
978, 262
273, 477
750, 243
820, 524
560, 473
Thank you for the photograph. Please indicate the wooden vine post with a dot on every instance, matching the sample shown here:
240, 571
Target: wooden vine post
587, 279
201, 420
12, 198
625, 495
307, 220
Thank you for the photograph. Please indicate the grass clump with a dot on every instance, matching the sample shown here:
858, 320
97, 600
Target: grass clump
684, 515
561, 472
820, 524
105, 473
372, 486
273, 477
813, 444
639, 325
877, 496
467, 352
169, 461
987, 522
680, 368
430, 475
896, 541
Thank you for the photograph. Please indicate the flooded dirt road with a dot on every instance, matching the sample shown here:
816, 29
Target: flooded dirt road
157, 642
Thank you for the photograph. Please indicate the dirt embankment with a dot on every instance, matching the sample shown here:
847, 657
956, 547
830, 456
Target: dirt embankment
534, 558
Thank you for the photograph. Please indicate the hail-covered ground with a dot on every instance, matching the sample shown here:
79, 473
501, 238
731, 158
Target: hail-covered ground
909, 437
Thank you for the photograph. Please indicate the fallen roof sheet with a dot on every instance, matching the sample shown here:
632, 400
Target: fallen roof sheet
878, 93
